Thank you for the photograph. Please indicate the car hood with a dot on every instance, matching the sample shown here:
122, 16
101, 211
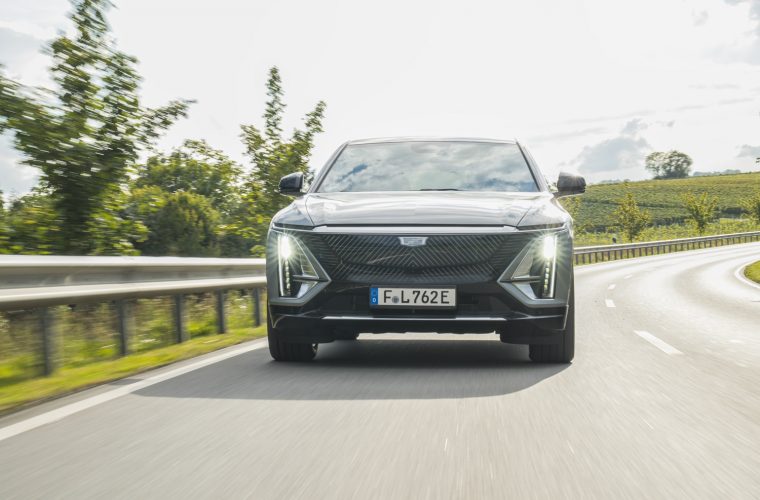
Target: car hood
425, 208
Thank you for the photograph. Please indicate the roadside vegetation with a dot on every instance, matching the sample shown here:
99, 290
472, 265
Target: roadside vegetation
104, 188
753, 272
663, 209
86, 346
664, 198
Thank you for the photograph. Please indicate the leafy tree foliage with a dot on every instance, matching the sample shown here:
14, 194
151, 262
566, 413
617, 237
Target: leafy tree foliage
630, 218
186, 199
668, 165
702, 210
28, 225
179, 223
197, 168
751, 206
85, 135
272, 157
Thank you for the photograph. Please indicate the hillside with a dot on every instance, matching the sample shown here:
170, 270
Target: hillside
663, 198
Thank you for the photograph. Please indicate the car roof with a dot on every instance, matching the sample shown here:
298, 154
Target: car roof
429, 139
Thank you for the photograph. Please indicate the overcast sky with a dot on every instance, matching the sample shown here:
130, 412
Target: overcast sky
588, 85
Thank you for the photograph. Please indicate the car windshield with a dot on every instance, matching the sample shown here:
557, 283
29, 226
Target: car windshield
429, 166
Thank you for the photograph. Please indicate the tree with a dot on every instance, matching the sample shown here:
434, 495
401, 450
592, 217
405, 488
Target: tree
272, 158
197, 168
751, 207
29, 225
84, 135
702, 210
180, 223
573, 205
214, 181
630, 218
668, 165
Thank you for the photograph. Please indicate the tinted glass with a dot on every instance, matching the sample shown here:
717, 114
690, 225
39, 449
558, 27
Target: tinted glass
423, 166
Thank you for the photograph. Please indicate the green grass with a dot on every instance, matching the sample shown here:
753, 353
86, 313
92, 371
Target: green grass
670, 232
16, 393
663, 198
753, 272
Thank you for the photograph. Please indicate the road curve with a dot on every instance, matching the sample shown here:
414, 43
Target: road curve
662, 401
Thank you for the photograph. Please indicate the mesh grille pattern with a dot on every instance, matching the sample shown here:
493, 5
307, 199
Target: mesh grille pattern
445, 259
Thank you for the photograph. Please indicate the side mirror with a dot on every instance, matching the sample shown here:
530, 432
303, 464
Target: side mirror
291, 183
570, 184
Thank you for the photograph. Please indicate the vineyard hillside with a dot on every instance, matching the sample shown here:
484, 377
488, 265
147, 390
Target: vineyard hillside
664, 198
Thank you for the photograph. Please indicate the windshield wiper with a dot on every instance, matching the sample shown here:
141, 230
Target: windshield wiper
439, 189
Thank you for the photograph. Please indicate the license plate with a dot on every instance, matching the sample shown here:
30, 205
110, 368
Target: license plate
397, 297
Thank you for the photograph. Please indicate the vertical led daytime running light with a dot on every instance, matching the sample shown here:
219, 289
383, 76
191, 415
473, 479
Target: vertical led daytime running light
284, 252
550, 266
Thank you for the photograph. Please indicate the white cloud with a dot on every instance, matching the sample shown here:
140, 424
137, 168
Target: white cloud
616, 155
747, 151
15, 178
699, 17
745, 46
17, 48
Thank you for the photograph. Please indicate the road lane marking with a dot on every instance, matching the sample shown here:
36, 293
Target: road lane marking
739, 273
627, 276
609, 302
611, 287
70, 409
658, 343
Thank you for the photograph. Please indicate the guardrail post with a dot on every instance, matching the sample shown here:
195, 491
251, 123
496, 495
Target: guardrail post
124, 310
221, 320
256, 306
179, 318
47, 340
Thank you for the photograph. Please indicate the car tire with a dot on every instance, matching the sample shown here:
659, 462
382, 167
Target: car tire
284, 350
564, 350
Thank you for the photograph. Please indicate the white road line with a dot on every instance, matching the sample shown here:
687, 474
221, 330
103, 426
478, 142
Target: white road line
660, 344
611, 287
609, 303
627, 276
70, 409
739, 273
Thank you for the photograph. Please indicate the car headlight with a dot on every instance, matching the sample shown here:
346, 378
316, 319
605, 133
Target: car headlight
549, 247
296, 273
535, 275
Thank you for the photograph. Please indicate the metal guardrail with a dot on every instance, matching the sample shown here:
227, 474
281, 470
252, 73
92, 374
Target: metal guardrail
604, 253
36, 282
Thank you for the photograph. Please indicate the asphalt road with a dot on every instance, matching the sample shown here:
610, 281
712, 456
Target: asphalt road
662, 401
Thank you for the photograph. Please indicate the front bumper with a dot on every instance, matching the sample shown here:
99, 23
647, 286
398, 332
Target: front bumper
306, 328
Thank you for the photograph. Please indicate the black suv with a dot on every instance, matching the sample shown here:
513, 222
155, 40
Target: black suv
423, 235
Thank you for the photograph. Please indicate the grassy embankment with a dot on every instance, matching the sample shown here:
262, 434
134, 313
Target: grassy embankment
86, 351
753, 272
664, 200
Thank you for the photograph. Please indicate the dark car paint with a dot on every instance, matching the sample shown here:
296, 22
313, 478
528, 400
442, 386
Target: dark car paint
428, 208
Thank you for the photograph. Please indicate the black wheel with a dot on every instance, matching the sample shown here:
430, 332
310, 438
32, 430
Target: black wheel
284, 350
564, 350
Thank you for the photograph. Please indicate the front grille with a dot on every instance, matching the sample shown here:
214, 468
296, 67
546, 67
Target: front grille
445, 259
